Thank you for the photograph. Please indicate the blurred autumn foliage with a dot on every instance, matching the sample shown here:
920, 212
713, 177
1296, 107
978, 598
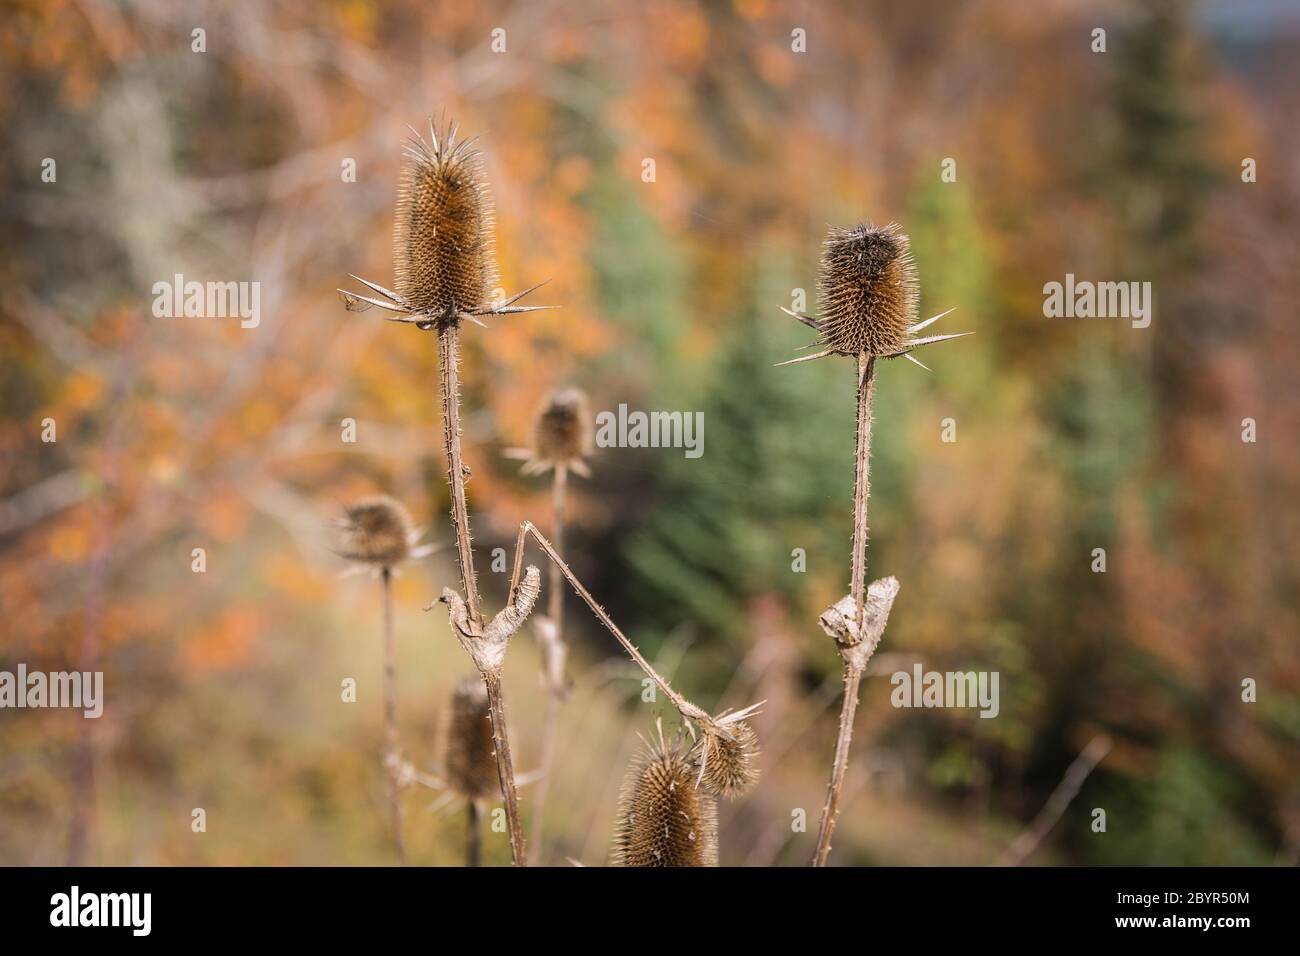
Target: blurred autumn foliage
231, 164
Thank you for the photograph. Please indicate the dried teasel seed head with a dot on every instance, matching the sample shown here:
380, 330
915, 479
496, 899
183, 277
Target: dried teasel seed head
728, 764
562, 432
442, 245
376, 530
867, 290
664, 819
471, 762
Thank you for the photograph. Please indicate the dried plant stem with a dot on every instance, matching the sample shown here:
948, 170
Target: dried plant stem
862, 483
449, 358
684, 706
857, 589
473, 854
392, 749
505, 769
553, 673
555, 600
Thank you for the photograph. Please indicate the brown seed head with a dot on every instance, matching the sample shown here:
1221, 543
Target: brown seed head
663, 818
376, 530
471, 756
867, 290
443, 248
562, 432
730, 763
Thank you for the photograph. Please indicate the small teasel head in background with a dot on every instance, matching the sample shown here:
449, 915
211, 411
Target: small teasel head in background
562, 435
471, 763
377, 531
868, 292
664, 819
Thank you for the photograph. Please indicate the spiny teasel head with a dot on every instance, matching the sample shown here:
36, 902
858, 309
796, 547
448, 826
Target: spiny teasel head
728, 759
664, 819
443, 246
376, 531
471, 762
561, 433
867, 290
442, 241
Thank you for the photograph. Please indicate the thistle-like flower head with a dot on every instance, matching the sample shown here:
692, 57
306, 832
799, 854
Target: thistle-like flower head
561, 435
376, 531
664, 819
443, 256
471, 764
867, 289
728, 758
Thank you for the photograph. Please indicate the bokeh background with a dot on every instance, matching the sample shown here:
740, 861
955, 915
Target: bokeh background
223, 688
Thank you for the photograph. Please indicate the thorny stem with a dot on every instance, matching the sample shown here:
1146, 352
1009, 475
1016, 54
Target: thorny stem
449, 360
392, 752
552, 672
684, 706
472, 853
857, 588
862, 483
448, 356
505, 769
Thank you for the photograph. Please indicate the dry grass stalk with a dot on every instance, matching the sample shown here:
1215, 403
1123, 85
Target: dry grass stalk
445, 272
664, 819
868, 294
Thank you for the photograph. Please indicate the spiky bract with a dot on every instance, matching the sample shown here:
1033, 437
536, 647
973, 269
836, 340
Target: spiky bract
443, 246
663, 818
376, 530
867, 289
471, 763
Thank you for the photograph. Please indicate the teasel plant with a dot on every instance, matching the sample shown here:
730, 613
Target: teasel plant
376, 534
665, 818
868, 294
445, 272
561, 443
